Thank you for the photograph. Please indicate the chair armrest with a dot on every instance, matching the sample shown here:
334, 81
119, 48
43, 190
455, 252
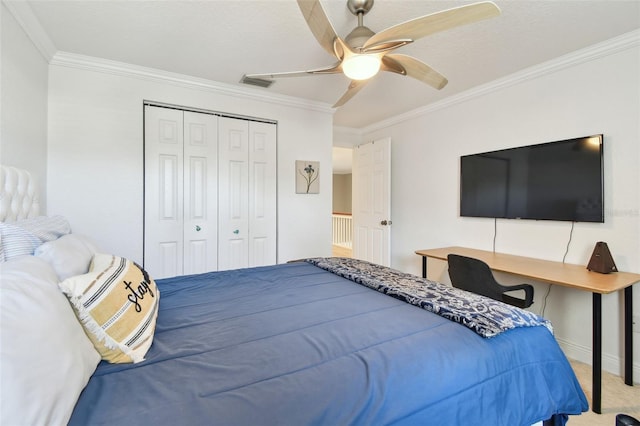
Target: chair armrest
528, 291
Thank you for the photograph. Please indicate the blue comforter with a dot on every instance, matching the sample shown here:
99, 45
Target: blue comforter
296, 345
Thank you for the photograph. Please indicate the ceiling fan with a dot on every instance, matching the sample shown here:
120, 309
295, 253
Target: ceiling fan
362, 53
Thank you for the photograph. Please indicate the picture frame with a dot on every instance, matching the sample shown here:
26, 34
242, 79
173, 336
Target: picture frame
307, 177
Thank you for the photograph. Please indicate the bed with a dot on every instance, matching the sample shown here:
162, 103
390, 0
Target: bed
312, 342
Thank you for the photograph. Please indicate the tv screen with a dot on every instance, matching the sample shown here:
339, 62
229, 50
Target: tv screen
560, 180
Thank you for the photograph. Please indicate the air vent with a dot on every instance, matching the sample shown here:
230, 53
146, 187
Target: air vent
260, 82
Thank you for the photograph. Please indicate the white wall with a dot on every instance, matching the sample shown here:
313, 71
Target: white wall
23, 102
342, 189
96, 153
346, 137
601, 95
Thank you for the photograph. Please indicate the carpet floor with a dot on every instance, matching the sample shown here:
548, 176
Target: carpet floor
616, 398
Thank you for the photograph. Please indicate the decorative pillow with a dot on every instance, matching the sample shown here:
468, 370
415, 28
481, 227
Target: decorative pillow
46, 358
46, 228
24, 236
17, 241
117, 303
69, 255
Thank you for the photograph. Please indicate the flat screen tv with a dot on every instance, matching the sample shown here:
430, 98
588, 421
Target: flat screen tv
560, 180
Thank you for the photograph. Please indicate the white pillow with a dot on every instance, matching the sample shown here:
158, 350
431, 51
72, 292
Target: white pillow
46, 358
69, 255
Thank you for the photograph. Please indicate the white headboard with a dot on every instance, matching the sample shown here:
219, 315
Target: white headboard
18, 195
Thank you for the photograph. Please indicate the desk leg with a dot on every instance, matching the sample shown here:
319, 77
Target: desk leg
424, 266
596, 373
628, 336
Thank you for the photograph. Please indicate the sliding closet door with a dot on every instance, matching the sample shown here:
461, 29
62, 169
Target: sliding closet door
262, 194
210, 192
233, 207
163, 183
200, 193
181, 223
247, 188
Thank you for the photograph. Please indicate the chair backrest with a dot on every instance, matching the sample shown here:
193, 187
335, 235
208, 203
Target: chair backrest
473, 275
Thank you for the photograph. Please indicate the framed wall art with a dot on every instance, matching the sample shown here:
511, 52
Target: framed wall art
307, 173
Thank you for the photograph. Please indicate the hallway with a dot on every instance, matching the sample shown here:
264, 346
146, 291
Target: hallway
339, 251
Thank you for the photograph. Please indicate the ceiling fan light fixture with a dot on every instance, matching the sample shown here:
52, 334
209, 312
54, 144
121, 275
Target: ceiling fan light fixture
361, 67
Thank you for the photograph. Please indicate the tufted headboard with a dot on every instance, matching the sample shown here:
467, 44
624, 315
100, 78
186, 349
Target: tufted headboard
18, 195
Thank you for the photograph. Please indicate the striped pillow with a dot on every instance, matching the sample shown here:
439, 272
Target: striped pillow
24, 236
117, 303
16, 241
46, 228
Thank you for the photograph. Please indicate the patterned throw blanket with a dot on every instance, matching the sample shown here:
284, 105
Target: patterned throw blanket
485, 316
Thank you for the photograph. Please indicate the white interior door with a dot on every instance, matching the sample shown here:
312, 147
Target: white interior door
200, 229
372, 202
233, 207
262, 194
163, 182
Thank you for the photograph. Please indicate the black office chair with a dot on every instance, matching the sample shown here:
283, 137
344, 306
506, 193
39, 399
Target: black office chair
474, 275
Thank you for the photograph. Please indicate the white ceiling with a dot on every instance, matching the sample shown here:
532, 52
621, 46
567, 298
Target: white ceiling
221, 40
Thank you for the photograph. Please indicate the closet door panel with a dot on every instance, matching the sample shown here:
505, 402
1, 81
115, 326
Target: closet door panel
163, 204
233, 183
210, 192
262, 194
200, 193
169, 253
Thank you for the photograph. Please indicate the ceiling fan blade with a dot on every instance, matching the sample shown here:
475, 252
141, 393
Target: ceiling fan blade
354, 87
413, 68
333, 69
386, 46
435, 22
319, 24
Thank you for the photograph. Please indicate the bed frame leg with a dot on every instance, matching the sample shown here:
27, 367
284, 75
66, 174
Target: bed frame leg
556, 419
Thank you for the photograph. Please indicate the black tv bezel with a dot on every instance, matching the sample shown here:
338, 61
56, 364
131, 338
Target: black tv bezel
600, 137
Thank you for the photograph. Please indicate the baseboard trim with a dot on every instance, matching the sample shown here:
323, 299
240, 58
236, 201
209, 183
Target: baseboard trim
610, 363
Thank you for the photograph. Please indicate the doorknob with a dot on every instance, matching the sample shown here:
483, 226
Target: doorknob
237, 231
385, 222
198, 228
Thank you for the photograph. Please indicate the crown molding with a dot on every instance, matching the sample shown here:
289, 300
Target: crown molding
25, 17
624, 42
89, 63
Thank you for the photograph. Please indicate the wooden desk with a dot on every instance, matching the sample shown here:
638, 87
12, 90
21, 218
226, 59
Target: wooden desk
567, 275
